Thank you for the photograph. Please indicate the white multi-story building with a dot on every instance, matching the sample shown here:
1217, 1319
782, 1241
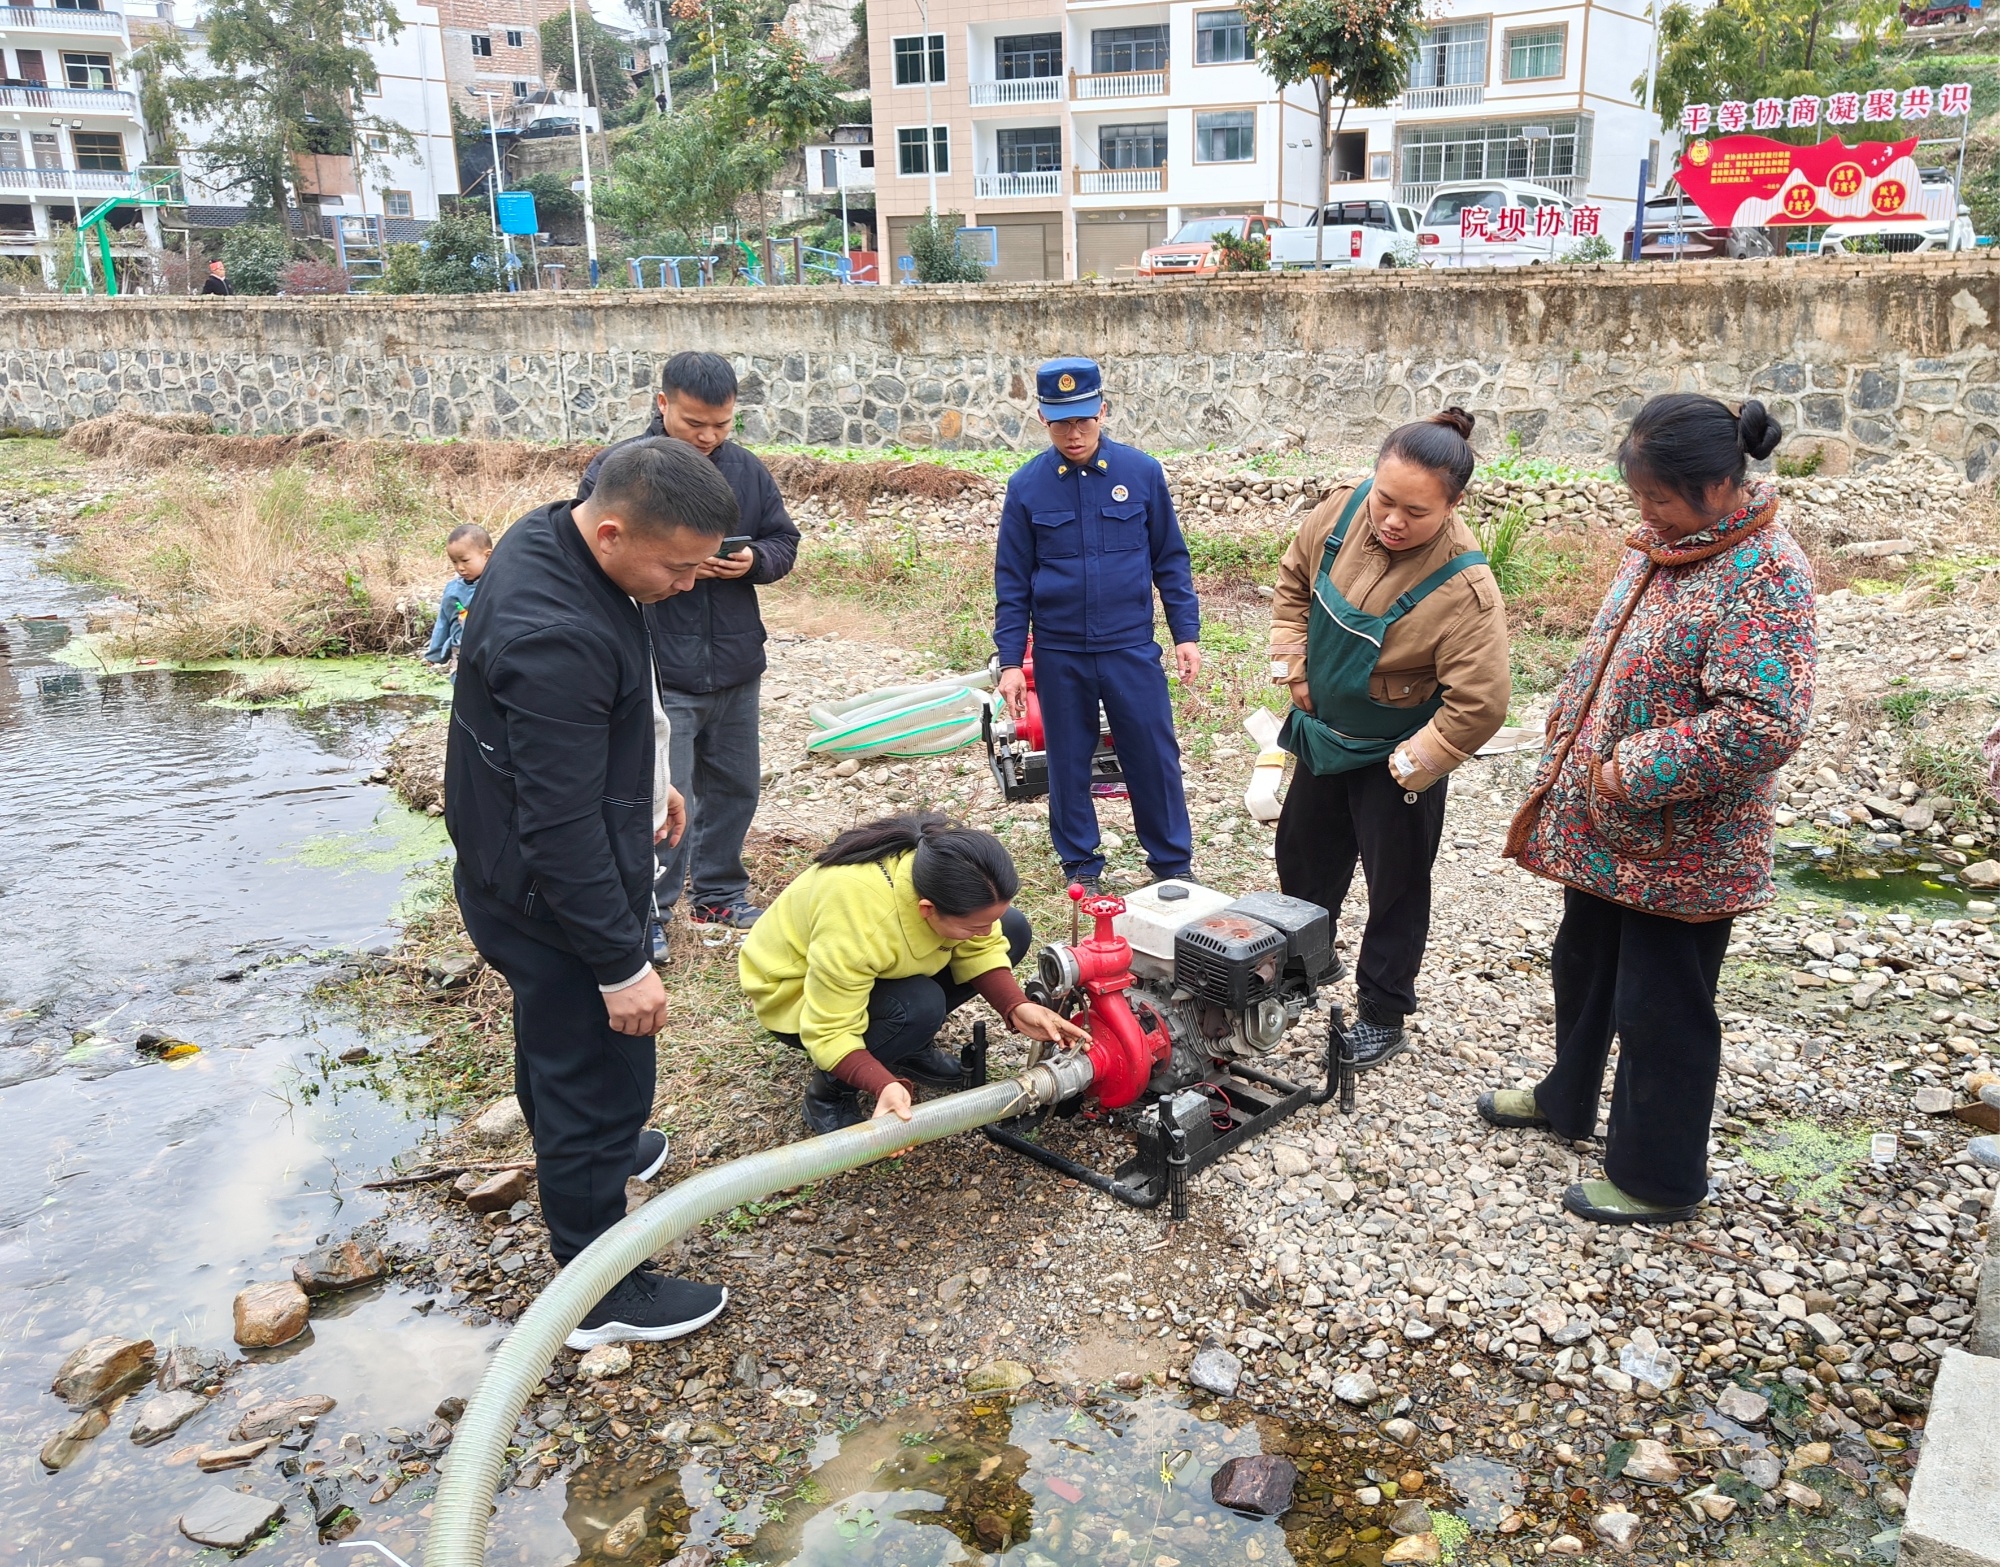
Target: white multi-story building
396, 188
70, 132
1085, 130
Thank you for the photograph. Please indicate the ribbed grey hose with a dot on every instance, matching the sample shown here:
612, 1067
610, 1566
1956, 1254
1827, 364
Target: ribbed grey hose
464, 1499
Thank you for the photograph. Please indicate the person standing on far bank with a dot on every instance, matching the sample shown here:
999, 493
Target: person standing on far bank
709, 643
557, 788
1387, 626
1654, 801
1087, 533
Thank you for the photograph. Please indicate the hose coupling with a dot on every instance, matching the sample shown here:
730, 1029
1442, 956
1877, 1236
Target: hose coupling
1063, 1076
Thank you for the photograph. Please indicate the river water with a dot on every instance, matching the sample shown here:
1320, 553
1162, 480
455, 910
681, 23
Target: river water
152, 879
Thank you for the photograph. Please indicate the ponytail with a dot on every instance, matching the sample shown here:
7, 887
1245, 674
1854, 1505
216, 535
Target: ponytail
957, 868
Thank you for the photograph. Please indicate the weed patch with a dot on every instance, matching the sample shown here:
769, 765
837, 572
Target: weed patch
1807, 1162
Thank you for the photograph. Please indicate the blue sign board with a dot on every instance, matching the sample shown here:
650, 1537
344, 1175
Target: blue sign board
517, 212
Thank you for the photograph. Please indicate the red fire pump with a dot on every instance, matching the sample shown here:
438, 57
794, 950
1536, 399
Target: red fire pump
1017, 752
1185, 993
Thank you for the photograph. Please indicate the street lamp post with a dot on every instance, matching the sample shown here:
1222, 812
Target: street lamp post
1646, 164
930, 123
583, 144
497, 183
840, 180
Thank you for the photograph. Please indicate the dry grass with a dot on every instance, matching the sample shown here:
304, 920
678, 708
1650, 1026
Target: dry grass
337, 549
855, 484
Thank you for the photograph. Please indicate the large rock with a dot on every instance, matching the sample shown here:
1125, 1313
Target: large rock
1981, 873
60, 1451
500, 1123
355, 1261
1416, 1548
625, 1536
270, 1314
1954, 1509
1617, 1528
1652, 1463
102, 1369
1357, 1388
1215, 1371
1259, 1483
275, 1419
164, 1414
998, 1376
605, 1361
499, 1192
1741, 1405
229, 1520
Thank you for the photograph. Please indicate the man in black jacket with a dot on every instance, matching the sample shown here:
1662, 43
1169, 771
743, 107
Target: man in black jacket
557, 788
710, 646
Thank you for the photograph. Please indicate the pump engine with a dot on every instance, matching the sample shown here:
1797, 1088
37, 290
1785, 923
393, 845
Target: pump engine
1208, 978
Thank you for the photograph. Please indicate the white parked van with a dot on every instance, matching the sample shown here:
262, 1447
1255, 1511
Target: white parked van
1369, 233
1522, 223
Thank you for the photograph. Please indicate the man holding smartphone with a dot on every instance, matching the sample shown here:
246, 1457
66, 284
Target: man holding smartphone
708, 644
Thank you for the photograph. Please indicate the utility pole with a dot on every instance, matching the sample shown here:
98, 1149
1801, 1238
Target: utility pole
840, 179
496, 184
583, 146
930, 123
1646, 164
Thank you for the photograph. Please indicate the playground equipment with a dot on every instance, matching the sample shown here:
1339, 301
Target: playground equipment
154, 187
670, 270
358, 244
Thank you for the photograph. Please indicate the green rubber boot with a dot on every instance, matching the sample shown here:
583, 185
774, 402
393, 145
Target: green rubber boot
1603, 1203
1511, 1108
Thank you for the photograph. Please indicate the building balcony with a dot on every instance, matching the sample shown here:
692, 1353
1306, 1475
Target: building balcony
1466, 96
1090, 87
70, 100
1023, 89
1120, 182
48, 19
95, 182
1568, 186
1005, 187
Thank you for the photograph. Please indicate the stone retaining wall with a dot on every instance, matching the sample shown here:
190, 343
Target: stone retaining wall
1864, 358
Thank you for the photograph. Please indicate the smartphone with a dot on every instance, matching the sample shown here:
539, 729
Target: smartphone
733, 545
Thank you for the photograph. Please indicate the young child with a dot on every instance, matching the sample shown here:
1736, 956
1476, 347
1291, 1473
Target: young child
468, 549
1087, 535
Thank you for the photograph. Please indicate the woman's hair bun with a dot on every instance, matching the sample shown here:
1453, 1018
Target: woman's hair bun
1454, 419
1756, 431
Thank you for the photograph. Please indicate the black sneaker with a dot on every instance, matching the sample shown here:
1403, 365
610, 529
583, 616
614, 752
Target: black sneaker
1375, 1037
649, 1308
830, 1104
736, 916
1091, 885
932, 1067
651, 1155
656, 942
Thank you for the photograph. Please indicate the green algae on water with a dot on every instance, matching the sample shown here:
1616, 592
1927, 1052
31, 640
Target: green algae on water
397, 840
1805, 1160
295, 683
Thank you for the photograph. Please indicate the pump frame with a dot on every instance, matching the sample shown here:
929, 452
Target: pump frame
1166, 1154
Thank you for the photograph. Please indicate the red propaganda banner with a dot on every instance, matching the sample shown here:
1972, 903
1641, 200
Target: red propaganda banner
1755, 181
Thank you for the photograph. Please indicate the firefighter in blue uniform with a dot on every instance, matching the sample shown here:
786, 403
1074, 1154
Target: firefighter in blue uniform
1087, 533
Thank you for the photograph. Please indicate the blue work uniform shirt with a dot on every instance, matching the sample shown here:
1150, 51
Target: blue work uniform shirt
1082, 547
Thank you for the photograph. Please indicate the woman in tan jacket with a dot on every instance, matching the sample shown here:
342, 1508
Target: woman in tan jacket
1388, 628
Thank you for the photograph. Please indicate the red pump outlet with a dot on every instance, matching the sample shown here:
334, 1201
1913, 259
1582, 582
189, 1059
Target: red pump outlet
1122, 1054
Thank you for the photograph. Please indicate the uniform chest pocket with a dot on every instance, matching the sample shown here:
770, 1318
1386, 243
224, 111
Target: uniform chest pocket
1058, 535
1123, 527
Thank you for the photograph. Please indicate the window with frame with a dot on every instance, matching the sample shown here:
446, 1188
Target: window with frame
482, 46
88, 72
1115, 50
513, 38
10, 150
1033, 149
78, 5
99, 149
1132, 146
1443, 154
397, 204
1226, 136
520, 89
377, 141
1027, 55
915, 153
1220, 37
918, 59
1453, 55
48, 151
1536, 53
31, 67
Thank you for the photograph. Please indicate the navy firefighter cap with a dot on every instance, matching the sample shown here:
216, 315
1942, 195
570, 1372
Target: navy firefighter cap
1070, 389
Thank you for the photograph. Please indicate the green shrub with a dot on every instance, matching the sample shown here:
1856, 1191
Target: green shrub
402, 270
458, 255
934, 248
1244, 255
254, 254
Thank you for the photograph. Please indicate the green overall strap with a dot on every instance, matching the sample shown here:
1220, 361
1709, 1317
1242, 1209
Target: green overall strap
1339, 534
1437, 579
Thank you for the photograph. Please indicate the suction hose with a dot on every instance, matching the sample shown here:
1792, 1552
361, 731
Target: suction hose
926, 720
471, 1475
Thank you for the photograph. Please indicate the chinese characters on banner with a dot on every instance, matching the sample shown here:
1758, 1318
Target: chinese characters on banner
1952, 101
1512, 223
1754, 180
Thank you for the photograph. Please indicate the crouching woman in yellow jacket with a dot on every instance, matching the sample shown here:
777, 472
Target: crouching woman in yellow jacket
897, 924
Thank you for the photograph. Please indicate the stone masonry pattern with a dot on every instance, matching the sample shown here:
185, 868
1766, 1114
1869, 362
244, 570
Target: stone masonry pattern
1864, 360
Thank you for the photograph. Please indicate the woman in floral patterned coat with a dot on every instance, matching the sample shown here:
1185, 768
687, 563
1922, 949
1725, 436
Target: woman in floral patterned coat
1653, 801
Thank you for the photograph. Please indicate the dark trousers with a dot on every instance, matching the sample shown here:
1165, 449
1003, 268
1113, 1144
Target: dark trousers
585, 1090
1651, 980
716, 768
1133, 688
1329, 823
904, 1015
